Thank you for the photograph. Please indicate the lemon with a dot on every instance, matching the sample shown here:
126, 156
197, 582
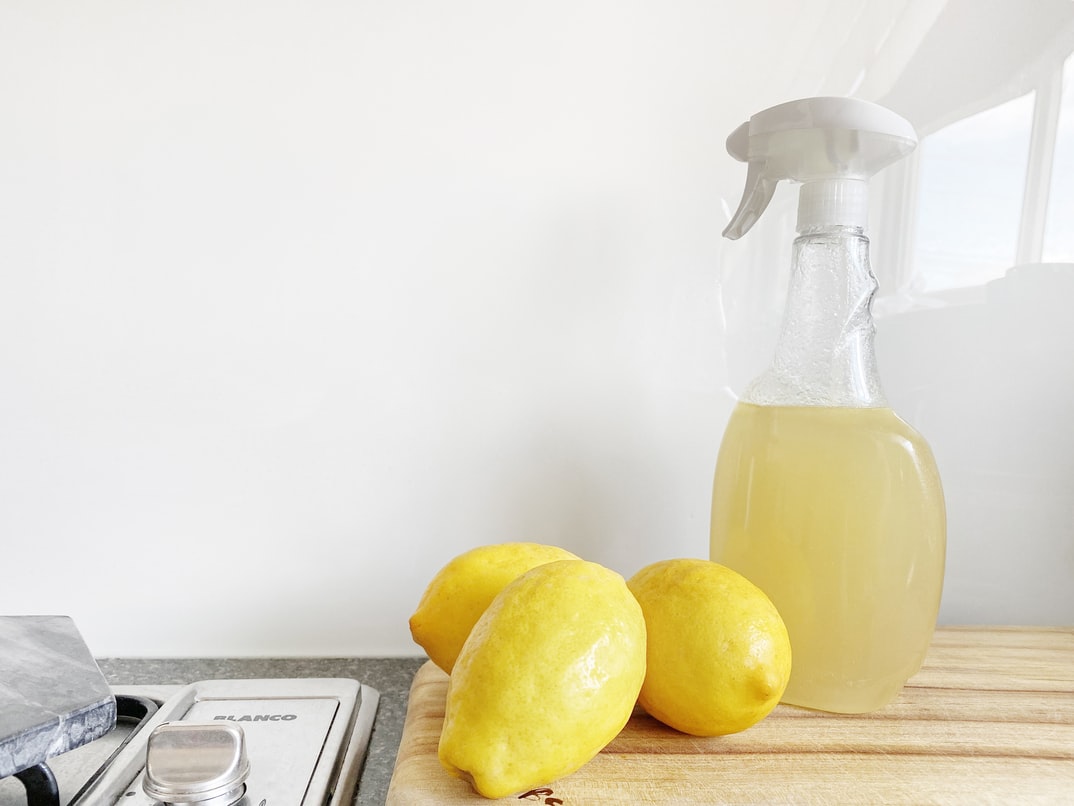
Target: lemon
549, 675
459, 593
718, 653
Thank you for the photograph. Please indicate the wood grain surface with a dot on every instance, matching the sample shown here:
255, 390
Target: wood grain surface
988, 719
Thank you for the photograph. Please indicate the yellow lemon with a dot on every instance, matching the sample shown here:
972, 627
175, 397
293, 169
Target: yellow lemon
462, 589
549, 675
718, 653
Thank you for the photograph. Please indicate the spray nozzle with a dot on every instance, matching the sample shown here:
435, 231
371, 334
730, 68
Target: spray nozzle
833, 145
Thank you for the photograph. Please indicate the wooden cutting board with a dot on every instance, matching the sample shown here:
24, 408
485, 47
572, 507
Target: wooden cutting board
989, 718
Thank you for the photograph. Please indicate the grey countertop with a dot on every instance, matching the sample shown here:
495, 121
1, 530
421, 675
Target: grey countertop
52, 696
389, 676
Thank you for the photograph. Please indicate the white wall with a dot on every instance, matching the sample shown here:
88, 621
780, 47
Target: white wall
300, 300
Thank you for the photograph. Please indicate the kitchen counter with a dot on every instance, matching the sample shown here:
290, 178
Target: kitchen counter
391, 677
990, 718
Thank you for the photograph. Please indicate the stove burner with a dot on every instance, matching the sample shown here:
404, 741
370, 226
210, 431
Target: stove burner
306, 741
40, 783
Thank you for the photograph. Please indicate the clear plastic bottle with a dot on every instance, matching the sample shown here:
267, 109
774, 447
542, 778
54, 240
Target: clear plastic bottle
823, 496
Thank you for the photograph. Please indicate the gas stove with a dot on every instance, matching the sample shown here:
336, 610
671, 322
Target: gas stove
272, 742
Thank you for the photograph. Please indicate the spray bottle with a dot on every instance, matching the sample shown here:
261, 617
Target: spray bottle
823, 496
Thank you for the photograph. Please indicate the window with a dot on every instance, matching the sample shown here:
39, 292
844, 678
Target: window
970, 197
996, 189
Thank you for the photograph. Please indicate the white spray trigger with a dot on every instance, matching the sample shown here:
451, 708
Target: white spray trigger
838, 143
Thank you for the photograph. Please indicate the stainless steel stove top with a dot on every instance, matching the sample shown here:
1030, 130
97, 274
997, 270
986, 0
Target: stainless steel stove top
305, 741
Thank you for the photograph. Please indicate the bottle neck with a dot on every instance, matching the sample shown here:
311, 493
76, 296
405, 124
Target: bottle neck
825, 354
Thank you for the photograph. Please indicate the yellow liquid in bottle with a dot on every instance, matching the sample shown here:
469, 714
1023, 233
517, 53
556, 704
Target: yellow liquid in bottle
838, 515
